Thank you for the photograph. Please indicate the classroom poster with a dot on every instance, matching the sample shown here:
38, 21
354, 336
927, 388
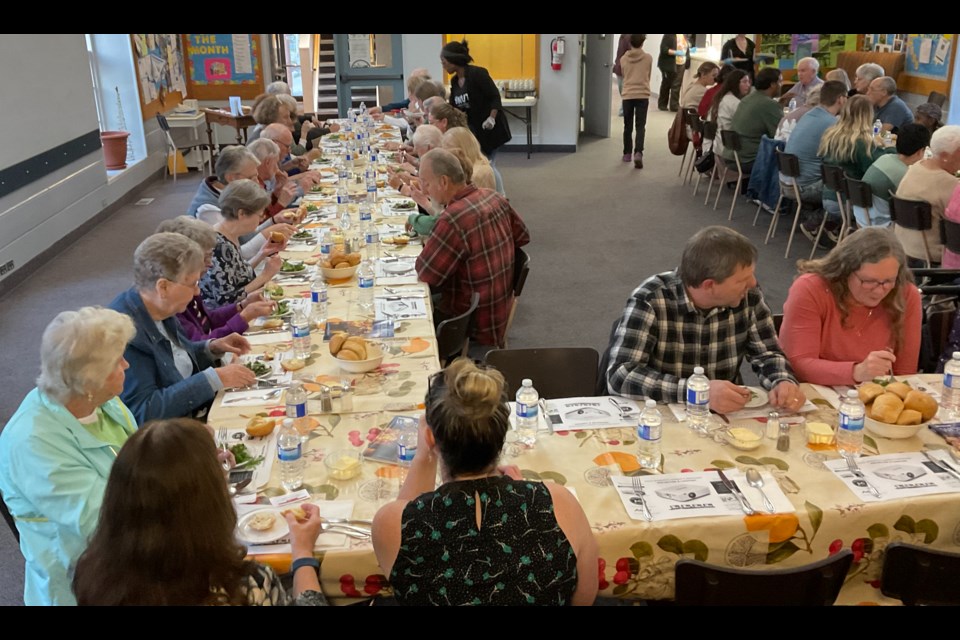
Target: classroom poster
159, 61
222, 58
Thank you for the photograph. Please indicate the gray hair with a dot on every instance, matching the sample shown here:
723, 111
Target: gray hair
945, 140
198, 231
290, 103
278, 87
869, 71
242, 195
429, 89
79, 349
165, 255
232, 159
444, 163
888, 84
714, 253
813, 62
427, 135
813, 96
839, 75
263, 148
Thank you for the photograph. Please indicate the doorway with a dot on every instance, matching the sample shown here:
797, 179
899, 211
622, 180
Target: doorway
596, 89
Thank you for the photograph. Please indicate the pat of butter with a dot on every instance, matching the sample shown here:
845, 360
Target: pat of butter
344, 468
744, 435
819, 433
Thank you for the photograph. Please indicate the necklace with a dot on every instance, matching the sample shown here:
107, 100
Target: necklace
863, 323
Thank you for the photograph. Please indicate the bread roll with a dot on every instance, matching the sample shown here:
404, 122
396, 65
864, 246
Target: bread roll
347, 354
887, 408
276, 236
922, 402
292, 364
899, 388
869, 391
353, 259
342, 265
909, 416
336, 341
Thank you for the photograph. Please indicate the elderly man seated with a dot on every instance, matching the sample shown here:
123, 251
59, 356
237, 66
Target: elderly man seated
885, 174
284, 139
887, 105
807, 80
932, 180
471, 249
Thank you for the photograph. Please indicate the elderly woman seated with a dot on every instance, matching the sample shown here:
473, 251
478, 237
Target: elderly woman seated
855, 314
445, 116
231, 278
484, 175
171, 376
485, 536
57, 449
198, 322
267, 109
427, 137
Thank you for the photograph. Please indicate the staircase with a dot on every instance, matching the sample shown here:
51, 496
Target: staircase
327, 83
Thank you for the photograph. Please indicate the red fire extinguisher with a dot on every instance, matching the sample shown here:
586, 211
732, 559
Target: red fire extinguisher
556, 53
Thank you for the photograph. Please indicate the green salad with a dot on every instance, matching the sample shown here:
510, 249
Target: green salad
258, 368
243, 457
292, 267
283, 308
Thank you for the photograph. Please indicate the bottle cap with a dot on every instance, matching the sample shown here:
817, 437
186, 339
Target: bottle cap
698, 371
852, 393
527, 382
650, 403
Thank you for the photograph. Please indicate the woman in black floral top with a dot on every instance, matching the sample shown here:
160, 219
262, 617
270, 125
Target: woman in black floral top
485, 536
166, 531
231, 277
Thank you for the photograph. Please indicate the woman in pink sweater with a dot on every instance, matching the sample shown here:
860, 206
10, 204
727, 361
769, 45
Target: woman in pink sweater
854, 315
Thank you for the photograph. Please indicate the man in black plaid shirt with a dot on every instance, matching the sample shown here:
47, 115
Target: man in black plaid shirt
708, 313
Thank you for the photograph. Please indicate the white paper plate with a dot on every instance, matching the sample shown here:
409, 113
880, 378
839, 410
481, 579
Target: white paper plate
279, 529
758, 398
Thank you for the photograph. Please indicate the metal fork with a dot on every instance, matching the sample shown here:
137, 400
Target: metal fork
855, 470
639, 492
266, 396
222, 444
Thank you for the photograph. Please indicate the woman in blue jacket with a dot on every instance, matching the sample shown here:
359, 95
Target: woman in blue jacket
57, 449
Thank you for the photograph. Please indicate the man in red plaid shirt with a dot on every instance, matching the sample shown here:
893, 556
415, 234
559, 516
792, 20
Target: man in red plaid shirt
471, 248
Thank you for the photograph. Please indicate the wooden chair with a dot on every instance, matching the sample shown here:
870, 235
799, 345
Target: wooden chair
859, 195
817, 584
731, 141
173, 148
915, 215
709, 133
560, 372
917, 575
937, 98
521, 269
9, 520
453, 334
832, 179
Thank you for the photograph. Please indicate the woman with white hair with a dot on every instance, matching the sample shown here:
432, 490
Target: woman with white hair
864, 75
484, 174
171, 376
198, 322
57, 449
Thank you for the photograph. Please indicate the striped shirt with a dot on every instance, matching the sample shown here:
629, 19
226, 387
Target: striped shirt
663, 336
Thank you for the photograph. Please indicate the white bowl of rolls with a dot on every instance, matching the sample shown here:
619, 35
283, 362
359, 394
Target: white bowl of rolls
896, 410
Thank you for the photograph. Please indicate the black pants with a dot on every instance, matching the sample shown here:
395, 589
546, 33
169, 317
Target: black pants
670, 89
634, 112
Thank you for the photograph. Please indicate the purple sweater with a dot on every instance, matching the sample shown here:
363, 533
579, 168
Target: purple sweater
200, 324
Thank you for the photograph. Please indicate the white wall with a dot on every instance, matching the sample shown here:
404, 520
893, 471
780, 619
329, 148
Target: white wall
422, 50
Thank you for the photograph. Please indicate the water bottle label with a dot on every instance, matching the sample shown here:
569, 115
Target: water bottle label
289, 454
318, 296
698, 397
849, 423
298, 410
948, 382
527, 410
365, 283
365, 216
372, 238
646, 432
301, 332
325, 248
405, 453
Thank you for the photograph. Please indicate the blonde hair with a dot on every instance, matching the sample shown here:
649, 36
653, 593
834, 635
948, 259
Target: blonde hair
468, 413
79, 349
463, 139
839, 142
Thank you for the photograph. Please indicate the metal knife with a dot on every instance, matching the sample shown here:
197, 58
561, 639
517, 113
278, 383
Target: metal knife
855, 470
744, 503
943, 465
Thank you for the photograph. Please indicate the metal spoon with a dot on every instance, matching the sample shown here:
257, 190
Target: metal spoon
755, 480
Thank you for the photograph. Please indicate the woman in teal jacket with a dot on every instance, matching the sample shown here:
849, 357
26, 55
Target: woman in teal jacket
57, 450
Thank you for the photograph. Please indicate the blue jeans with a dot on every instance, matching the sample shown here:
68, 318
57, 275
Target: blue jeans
879, 214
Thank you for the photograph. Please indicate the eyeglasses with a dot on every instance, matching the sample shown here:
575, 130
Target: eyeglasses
194, 285
869, 283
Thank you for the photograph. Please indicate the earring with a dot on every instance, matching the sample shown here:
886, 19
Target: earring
89, 397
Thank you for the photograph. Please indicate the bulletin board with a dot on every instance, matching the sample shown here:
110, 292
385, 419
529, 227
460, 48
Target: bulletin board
928, 62
220, 65
161, 83
786, 49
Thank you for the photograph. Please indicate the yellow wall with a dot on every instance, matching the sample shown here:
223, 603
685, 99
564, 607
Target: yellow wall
505, 55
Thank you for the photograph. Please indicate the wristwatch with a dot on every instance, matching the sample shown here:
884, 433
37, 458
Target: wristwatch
299, 563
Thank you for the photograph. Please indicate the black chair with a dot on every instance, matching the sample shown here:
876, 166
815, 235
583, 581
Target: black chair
709, 129
817, 584
9, 520
915, 215
832, 179
789, 167
731, 141
605, 360
453, 334
937, 98
917, 575
951, 235
860, 195
173, 148
559, 372
777, 322
521, 269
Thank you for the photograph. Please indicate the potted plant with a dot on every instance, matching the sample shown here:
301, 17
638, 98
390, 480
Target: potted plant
114, 148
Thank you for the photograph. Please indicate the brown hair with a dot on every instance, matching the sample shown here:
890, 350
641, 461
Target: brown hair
267, 110
166, 529
867, 245
468, 413
714, 253
444, 111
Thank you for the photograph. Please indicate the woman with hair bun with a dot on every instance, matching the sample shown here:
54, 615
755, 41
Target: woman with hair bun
474, 92
485, 536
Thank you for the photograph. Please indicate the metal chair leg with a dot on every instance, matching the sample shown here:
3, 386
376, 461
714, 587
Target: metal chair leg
723, 181
713, 177
773, 222
736, 192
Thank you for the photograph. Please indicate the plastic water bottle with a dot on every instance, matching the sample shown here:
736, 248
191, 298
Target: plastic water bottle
877, 127
343, 175
300, 327
850, 431
366, 212
698, 401
296, 401
326, 243
290, 456
527, 413
318, 302
793, 104
343, 208
370, 175
371, 236
649, 430
363, 109
366, 279
407, 443
950, 398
